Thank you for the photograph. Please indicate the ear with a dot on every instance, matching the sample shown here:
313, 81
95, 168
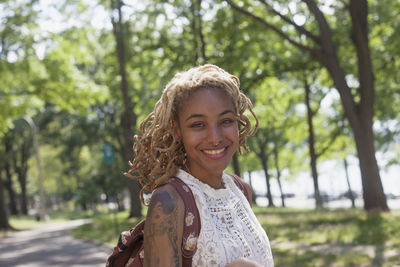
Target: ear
177, 130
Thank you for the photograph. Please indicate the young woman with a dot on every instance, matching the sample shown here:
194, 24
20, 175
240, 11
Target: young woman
192, 133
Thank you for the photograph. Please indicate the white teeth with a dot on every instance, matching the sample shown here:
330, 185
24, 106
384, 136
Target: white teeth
214, 152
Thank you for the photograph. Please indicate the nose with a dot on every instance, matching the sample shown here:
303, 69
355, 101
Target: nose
214, 135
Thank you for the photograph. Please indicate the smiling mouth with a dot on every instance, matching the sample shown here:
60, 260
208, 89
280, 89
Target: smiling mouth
214, 151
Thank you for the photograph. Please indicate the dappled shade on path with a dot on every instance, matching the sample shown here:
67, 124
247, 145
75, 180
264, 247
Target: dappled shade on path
51, 245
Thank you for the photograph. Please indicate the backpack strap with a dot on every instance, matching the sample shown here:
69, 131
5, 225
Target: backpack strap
192, 224
129, 251
239, 183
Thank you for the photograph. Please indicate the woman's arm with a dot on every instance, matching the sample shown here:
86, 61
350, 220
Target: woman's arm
164, 228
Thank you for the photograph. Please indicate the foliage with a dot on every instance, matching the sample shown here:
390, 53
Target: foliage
278, 113
30, 78
66, 78
17, 55
386, 55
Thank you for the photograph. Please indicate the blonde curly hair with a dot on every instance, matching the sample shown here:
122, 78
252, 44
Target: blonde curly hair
159, 153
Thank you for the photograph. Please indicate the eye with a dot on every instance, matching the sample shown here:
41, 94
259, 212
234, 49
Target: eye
197, 125
227, 121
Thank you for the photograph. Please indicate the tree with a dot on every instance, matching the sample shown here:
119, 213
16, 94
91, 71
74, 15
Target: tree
275, 152
384, 41
22, 143
3, 213
262, 142
16, 153
250, 163
314, 151
128, 118
3, 206
16, 56
6, 166
358, 103
275, 112
72, 145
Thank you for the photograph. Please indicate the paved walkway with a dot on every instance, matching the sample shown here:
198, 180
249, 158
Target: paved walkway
50, 245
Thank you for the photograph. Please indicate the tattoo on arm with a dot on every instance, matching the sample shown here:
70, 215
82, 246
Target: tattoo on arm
161, 223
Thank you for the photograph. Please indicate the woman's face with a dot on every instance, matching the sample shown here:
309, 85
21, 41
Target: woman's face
208, 127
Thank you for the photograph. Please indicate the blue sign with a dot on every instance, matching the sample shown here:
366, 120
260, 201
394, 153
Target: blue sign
108, 152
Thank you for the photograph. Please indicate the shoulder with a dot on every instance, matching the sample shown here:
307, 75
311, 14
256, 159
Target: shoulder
167, 197
249, 191
245, 186
248, 187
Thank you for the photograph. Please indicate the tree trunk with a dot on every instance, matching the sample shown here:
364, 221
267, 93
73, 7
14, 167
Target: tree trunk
120, 203
8, 183
84, 205
11, 194
360, 119
3, 213
194, 30
264, 163
311, 147
128, 120
361, 123
353, 204
374, 197
22, 170
200, 30
24, 201
278, 175
199, 50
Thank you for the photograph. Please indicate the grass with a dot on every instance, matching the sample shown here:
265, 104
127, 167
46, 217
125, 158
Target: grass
105, 228
346, 227
309, 258
25, 222
298, 238
22, 222
332, 237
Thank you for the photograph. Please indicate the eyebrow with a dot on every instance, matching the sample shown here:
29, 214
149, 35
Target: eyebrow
196, 115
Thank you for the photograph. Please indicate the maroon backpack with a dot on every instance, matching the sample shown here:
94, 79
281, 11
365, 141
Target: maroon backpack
129, 252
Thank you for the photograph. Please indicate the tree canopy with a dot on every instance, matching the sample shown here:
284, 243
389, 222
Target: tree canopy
83, 69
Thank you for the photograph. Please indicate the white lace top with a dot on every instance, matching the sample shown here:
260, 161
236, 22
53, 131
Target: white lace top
229, 228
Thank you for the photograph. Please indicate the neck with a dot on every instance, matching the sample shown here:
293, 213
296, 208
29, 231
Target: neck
214, 180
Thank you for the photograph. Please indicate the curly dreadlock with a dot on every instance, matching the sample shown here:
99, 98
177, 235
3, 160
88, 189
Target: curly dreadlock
158, 152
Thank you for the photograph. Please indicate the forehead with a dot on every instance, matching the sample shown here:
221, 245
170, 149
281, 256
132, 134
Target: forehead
207, 101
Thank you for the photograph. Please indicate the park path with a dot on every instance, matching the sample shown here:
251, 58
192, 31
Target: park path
51, 245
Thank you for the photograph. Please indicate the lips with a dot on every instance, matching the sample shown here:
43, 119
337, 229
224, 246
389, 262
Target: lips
215, 153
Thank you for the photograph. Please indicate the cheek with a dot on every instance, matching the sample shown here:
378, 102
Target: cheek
190, 140
233, 134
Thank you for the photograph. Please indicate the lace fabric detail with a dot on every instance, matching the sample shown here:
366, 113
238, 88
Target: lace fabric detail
229, 228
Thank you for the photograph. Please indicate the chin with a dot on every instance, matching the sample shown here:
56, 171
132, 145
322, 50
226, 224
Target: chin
218, 168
